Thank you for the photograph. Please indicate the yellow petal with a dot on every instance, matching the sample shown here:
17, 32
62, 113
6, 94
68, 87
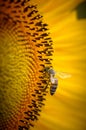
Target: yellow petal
66, 110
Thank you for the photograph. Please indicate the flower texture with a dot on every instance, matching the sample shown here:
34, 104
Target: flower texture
25, 51
66, 110
23, 80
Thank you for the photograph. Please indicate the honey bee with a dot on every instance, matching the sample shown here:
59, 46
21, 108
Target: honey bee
54, 81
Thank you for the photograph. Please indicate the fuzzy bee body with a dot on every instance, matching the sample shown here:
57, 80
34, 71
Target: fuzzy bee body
53, 89
53, 81
54, 85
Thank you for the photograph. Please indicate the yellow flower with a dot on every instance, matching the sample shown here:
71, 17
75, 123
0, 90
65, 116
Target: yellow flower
22, 60
66, 110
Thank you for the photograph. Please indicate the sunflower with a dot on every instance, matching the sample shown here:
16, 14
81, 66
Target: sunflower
66, 110
23, 57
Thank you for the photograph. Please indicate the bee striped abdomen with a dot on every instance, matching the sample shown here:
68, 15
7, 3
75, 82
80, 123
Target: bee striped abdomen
53, 89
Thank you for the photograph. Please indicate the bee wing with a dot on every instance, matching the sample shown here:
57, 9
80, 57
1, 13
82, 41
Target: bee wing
63, 75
